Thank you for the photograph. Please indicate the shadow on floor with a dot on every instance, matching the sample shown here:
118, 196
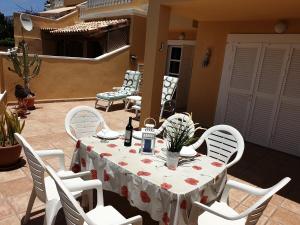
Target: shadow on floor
265, 167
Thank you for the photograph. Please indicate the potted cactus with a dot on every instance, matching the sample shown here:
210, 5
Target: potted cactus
26, 69
10, 150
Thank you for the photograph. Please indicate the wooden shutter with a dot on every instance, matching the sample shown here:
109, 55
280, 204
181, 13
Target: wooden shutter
237, 82
286, 130
266, 93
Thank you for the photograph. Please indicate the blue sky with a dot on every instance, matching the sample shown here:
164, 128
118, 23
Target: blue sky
9, 6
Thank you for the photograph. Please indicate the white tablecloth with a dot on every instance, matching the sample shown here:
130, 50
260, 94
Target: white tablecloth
146, 182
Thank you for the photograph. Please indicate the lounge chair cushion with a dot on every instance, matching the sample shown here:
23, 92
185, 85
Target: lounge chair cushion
129, 87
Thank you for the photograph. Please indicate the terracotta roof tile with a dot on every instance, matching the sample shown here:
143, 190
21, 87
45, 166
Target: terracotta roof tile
86, 26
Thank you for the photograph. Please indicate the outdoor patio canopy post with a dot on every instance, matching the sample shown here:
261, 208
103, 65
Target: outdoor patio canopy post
155, 56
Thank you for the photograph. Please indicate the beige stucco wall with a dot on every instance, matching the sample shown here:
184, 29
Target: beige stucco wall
205, 81
71, 78
138, 37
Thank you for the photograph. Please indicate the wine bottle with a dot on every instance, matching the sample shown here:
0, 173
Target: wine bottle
128, 133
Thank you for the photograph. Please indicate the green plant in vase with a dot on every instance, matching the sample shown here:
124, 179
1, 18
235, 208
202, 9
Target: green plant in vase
178, 134
9, 148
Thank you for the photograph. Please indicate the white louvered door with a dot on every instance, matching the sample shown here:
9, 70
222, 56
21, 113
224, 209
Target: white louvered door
286, 129
266, 93
239, 84
260, 90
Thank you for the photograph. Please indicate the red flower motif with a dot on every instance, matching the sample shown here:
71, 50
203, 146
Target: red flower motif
160, 141
204, 199
83, 162
147, 161
166, 219
78, 144
123, 163
112, 145
191, 181
102, 155
106, 176
183, 204
133, 151
143, 173
197, 167
217, 164
124, 191
137, 144
94, 174
89, 148
145, 197
76, 168
166, 186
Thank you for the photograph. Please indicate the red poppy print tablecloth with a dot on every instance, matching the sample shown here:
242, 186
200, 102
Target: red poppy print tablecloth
146, 182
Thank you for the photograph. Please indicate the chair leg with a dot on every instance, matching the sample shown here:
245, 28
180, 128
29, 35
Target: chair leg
109, 105
30, 204
52, 208
161, 112
96, 103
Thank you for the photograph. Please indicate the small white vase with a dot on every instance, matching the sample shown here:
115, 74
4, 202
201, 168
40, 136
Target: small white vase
172, 160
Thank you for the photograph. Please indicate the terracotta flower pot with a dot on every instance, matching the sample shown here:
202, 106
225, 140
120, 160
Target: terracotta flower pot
30, 102
9, 155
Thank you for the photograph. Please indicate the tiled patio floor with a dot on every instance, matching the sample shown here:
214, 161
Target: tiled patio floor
45, 129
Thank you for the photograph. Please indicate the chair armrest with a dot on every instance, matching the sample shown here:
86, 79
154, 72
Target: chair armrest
214, 211
136, 220
58, 153
116, 88
88, 185
231, 184
75, 175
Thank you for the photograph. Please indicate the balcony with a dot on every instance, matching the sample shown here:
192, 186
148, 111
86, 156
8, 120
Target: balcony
105, 3
103, 8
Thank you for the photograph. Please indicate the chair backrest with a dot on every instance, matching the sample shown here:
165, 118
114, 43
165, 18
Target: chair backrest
36, 166
254, 212
131, 81
222, 142
83, 121
74, 214
181, 119
169, 87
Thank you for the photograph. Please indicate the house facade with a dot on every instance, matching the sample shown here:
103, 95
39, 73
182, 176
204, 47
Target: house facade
245, 67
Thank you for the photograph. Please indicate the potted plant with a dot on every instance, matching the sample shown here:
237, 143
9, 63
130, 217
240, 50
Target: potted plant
26, 69
177, 135
10, 150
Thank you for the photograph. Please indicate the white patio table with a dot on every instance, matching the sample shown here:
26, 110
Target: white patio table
146, 182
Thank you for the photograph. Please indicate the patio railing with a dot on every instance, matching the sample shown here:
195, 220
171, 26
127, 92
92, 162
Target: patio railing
105, 3
57, 3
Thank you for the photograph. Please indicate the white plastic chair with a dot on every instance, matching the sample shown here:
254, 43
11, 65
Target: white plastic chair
44, 187
220, 213
100, 215
84, 121
180, 119
222, 142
